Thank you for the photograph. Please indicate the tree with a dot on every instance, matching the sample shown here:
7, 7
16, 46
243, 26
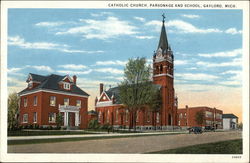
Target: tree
59, 120
13, 106
199, 117
136, 91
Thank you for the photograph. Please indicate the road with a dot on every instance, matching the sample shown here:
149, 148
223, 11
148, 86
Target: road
126, 145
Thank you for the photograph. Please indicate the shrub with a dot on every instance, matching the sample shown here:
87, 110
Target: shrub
36, 126
93, 124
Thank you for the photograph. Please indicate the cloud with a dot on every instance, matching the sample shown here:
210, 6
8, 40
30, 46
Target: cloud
139, 18
69, 72
109, 70
231, 53
180, 26
102, 29
231, 72
198, 76
180, 62
14, 70
101, 14
233, 31
190, 16
114, 78
41, 68
49, 24
144, 37
108, 63
185, 27
73, 66
81, 51
234, 62
20, 42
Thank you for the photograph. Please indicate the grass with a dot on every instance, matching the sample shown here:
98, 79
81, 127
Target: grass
46, 132
55, 140
222, 147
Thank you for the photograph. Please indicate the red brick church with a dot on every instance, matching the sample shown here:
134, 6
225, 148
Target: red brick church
46, 96
111, 111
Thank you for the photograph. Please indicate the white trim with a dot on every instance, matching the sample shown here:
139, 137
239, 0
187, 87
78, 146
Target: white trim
101, 96
67, 76
49, 91
105, 104
157, 60
163, 75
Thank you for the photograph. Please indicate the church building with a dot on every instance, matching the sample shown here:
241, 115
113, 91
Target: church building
111, 111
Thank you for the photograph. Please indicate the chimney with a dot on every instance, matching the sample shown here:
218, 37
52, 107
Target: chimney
74, 79
101, 88
186, 106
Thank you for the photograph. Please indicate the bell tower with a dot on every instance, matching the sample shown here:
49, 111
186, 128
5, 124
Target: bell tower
163, 74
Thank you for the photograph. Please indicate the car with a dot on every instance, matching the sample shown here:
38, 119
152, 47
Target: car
196, 130
209, 128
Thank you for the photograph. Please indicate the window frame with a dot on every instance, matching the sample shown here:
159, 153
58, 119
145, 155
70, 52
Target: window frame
35, 101
50, 101
27, 116
34, 119
53, 120
80, 105
64, 101
66, 86
25, 101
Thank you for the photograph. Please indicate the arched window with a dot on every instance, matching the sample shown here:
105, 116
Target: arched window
116, 115
161, 68
99, 116
108, 116
157, 70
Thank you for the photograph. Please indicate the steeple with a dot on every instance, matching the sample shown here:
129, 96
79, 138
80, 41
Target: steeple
163, 42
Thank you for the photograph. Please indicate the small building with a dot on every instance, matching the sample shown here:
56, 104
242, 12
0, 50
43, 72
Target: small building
230, 121
47, 96
212, 117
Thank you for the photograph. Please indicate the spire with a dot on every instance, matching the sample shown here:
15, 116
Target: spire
163, 42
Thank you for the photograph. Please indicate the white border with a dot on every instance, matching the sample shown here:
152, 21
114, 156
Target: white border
118, 157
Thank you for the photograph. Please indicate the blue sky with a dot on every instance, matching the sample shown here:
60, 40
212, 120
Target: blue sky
95, 45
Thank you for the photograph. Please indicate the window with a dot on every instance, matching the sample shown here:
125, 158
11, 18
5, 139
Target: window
209, 114
179, 123
148, 116
30, 84
78, 103
157, 117
66, 86
116, 115
25, 102
25, 118
35, 101
66, 101
34, 117
218, 116
52, 101
181, 115
108, 116
52, 117
137, 116
99, 116
126, 116
185, 115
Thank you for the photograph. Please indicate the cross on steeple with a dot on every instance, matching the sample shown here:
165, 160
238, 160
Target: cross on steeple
163, 17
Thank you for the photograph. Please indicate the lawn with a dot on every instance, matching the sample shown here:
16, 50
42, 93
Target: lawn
55, 140
223, 147
46, 132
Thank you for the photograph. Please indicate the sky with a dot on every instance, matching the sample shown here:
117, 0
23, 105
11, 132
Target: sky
95, 45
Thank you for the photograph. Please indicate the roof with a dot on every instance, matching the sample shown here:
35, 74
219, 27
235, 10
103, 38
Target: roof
50, 82
163, 42
115, 92
229, 116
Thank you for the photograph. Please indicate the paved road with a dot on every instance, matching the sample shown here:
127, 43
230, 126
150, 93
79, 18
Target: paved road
126, 145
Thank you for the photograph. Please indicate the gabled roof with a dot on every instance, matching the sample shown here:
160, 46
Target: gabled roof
115, 93
35, 77
50, 82
229, 116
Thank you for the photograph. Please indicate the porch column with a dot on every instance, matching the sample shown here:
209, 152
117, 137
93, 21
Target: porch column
65, 118
76, 118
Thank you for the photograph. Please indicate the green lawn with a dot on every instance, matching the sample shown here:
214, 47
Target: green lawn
223, 147
55, 140
46, 132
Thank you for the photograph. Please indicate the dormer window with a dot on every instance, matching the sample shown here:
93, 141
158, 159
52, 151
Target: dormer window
30, 84
66, 86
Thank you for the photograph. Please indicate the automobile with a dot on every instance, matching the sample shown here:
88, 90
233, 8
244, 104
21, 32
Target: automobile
209, 128
196, 130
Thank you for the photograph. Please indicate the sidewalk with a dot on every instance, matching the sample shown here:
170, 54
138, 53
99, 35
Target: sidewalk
87, 135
